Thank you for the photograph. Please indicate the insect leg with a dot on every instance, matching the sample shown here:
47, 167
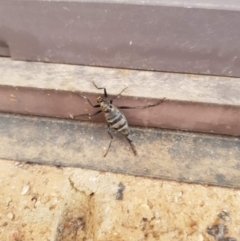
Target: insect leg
141, 107
110, 142
130, 140
118, 95
89, 115
86, 98
101, 88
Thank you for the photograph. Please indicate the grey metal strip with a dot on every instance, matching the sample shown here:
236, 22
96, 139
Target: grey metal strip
172, 155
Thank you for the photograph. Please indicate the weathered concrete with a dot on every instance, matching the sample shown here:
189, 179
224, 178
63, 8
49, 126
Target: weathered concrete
147, 84
180, 156
66, 204
194, 103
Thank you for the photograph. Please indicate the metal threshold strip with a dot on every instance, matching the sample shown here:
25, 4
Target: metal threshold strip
173, 155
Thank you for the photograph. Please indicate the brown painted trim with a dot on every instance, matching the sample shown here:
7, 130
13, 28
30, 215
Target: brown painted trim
158, 35
190, 116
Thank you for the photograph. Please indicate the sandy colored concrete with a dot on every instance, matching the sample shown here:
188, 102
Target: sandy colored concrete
59, 204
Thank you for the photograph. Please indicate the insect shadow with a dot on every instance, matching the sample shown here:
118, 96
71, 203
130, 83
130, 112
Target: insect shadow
114, 117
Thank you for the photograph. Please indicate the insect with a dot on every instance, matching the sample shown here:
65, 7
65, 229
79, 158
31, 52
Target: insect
114, 117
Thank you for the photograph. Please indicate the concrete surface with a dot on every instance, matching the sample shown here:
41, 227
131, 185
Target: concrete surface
147, 84
193, 103
65, 204
179, 156
40, 202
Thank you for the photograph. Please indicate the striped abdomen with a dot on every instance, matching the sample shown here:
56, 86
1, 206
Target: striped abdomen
117, 120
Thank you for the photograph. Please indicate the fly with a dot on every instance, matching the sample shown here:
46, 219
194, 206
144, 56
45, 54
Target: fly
114, 117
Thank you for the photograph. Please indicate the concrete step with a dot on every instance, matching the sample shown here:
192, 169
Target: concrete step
197, 103
180, 156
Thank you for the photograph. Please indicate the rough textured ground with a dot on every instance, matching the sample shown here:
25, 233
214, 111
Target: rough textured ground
59, 204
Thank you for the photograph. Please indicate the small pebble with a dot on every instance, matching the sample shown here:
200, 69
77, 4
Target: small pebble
25, 190
10, 216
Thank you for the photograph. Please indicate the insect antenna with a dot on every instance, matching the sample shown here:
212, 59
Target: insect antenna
118, 95
105, 92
